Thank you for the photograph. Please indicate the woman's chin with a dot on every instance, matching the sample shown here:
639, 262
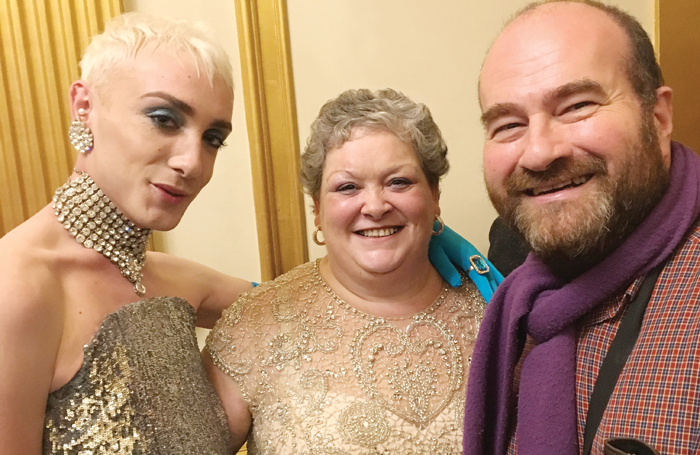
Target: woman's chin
385, 266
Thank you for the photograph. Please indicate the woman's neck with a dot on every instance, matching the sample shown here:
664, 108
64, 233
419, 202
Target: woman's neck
400, 293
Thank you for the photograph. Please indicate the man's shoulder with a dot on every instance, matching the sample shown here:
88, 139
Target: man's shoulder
688, 252
680, 279
19, 255
24, 250
30, 299
29, 267
694, 235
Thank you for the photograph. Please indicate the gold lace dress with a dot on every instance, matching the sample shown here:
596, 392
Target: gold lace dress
323, 378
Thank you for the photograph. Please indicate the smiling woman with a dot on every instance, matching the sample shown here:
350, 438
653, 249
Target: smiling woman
366, 348
97, 336
375, 207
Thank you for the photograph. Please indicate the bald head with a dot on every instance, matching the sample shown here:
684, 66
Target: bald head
552, 43
638, 60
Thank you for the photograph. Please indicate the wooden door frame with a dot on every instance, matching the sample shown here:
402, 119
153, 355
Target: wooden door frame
270, 105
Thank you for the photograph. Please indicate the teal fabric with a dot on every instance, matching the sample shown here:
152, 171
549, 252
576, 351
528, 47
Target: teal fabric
449, 252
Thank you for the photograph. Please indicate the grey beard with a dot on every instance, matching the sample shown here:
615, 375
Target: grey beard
572, 239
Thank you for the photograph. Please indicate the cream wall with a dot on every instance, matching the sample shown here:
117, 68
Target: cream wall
219, 227
431, 51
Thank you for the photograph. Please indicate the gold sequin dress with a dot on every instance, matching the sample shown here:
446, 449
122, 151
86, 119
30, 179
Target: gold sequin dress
323, 378
141, 389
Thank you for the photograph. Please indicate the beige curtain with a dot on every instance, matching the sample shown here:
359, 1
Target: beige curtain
41, 42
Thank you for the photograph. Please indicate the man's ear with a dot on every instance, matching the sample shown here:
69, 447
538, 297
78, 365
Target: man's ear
663, 120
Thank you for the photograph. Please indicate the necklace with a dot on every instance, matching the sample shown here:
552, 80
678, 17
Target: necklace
96, 223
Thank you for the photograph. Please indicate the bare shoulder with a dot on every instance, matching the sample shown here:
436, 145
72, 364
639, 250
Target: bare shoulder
207, 290
30, 302
28, 277
31, 326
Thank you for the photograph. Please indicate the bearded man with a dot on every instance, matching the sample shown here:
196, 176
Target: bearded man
583, 349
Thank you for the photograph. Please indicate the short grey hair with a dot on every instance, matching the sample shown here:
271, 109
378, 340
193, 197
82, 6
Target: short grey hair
364, 110
127, 34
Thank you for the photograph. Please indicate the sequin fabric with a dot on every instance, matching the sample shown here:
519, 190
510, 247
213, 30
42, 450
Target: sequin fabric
141, 389
323, 378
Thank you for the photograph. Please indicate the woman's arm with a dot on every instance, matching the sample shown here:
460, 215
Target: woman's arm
237, 411
31, 324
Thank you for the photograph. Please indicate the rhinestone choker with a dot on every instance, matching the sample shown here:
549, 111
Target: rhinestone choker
94, 221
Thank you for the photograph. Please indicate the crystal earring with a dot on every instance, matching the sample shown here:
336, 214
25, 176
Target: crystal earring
79, 133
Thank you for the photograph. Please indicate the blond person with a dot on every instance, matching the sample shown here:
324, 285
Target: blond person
96, 353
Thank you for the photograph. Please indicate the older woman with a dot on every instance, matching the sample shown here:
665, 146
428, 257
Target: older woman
367, 349
94, 358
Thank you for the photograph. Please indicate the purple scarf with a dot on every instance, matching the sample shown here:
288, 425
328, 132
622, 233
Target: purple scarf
533, 301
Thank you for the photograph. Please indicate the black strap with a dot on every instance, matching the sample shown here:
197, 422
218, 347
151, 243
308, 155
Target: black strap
617, 355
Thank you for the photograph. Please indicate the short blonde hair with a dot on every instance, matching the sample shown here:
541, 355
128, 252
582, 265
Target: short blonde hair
127, 34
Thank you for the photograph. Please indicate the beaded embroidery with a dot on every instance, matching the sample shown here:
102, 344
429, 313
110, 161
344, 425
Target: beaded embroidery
322, 377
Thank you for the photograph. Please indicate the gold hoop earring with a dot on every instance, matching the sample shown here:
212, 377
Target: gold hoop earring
314, 237
79, 133
442, 225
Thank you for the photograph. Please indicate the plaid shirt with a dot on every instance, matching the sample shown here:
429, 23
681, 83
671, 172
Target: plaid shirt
657, 396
